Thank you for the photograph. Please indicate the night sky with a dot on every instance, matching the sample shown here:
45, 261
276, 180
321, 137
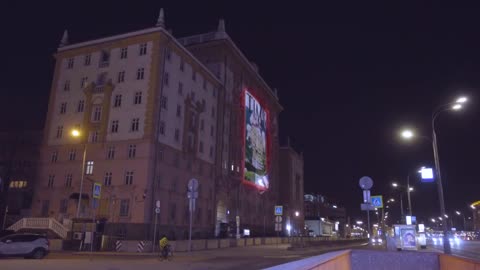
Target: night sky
349, 77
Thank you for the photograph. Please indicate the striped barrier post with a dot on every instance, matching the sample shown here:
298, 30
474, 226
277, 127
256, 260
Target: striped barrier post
118, 245
140, 246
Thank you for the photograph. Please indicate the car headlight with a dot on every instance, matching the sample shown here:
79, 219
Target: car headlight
380, 240
373, 240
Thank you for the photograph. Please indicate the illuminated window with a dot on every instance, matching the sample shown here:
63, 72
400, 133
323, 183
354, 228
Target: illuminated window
123, 53
143, 49
89, 170
70, 63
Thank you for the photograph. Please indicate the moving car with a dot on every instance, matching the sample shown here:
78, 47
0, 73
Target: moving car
24, 245
376, 240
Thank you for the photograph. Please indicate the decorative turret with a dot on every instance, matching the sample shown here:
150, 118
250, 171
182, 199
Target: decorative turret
64, 41
161, 19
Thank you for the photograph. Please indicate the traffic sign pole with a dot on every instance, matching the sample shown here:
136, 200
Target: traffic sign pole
157, 211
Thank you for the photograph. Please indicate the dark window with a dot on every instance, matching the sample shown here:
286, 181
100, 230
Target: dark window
118, 101
124, 207
143, 49
70, 63
123, 53
138, 98
132, 150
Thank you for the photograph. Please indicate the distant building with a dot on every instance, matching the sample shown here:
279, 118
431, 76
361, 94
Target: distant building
19, 154
291, 189
328, 216
154, 112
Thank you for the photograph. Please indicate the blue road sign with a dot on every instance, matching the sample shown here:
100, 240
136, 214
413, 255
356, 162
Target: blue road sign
377, 201
278, 210
97, 190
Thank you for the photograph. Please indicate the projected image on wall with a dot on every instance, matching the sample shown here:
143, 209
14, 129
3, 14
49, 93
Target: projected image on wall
255, 142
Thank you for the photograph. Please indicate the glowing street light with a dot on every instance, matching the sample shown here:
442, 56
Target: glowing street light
410, 189
458, 213
297, 213
407, 134
446, 215
391, 200
462, 99
456, 107
359, 222
75, 133
433, 220
394, 185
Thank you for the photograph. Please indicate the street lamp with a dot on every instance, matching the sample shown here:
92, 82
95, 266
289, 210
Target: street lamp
408, 134
297, 213
76, 133
464, 221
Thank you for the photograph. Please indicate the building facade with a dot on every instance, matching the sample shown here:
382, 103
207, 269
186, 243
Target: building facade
19, 153
152, 114
476, 215
291, 189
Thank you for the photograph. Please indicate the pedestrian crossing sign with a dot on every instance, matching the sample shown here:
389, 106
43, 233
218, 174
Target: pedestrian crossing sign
377, 201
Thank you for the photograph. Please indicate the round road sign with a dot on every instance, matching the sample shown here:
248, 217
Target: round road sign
365, 182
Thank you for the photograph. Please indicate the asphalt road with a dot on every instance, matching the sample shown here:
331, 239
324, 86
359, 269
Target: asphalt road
465, 249
256, 257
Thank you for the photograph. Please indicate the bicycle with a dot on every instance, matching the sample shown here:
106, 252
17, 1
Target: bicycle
166, 253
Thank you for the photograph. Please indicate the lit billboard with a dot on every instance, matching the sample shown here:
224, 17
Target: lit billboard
255, 166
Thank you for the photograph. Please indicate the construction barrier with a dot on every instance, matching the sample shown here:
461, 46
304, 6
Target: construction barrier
118, 245
140, 246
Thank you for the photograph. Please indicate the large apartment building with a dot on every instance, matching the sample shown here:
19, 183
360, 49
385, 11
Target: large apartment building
154, 112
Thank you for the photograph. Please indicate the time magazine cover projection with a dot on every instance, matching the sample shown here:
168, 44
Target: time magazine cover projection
255, 170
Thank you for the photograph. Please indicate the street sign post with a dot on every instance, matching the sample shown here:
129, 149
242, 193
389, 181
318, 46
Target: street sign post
157, 211
366, 184
97, 190
192, 195
377, 201
278, 210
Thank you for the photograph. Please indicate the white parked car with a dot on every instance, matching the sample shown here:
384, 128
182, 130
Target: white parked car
24, 245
